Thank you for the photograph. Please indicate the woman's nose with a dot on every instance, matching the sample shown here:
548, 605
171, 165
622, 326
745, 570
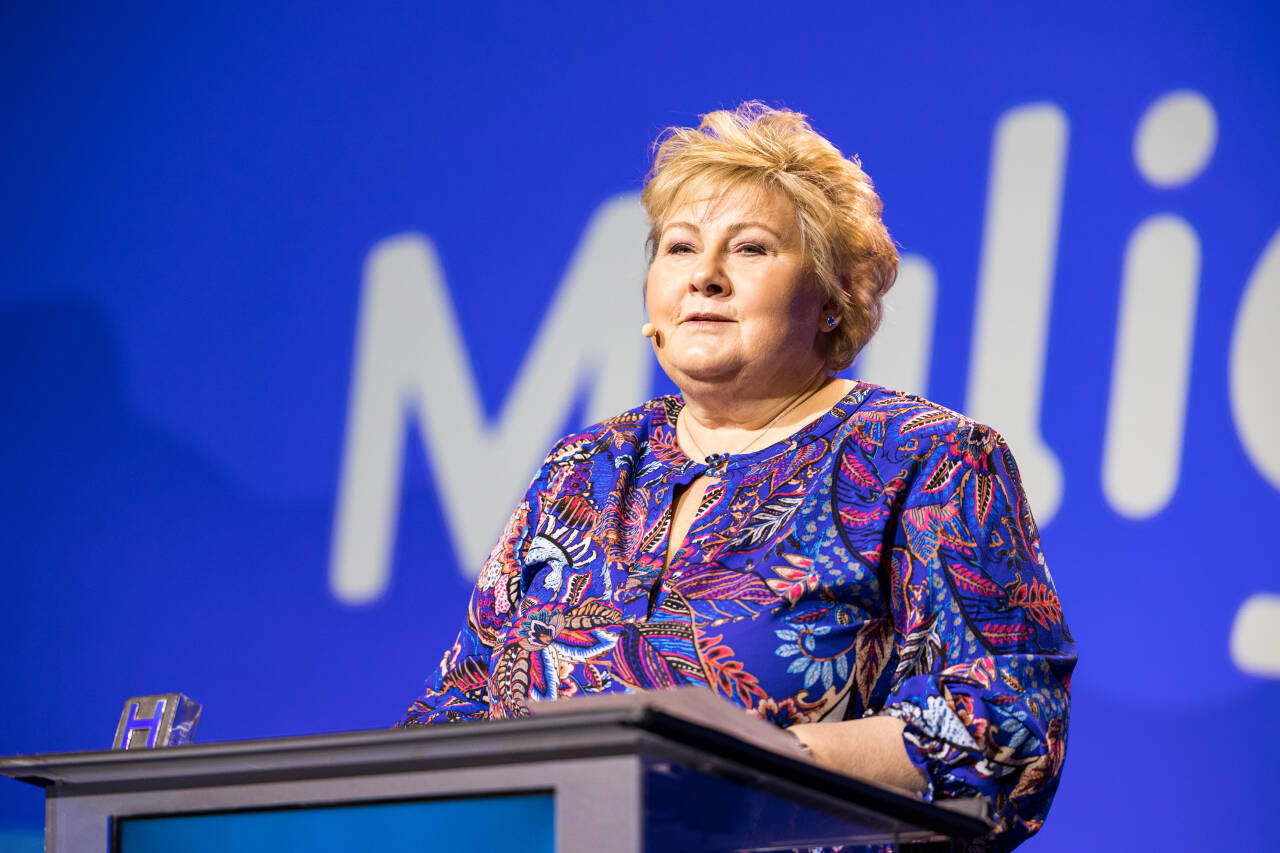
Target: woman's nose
709, 278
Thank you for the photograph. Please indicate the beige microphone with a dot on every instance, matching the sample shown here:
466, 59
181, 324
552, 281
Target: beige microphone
649, 330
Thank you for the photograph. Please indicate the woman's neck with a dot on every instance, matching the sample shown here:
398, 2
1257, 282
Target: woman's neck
720, 422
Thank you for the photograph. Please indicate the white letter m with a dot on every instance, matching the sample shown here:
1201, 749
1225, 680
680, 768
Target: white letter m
410, 362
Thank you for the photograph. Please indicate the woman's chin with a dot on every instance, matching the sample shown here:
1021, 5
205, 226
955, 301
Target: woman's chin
705, 371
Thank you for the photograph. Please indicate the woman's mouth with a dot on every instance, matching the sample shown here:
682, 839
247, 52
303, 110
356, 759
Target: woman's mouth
705, 320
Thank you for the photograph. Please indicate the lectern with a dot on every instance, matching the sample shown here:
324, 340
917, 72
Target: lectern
628, 774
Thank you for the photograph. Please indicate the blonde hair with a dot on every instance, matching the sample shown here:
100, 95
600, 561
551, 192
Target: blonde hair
847, 247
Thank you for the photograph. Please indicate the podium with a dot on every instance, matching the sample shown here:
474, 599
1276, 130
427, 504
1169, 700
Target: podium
649, 772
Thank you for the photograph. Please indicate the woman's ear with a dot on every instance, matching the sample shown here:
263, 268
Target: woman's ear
830, 318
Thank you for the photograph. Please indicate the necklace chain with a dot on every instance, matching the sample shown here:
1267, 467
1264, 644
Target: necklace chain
722, 457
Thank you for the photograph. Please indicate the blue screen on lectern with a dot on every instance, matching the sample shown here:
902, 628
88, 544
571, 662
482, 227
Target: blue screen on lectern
473, 823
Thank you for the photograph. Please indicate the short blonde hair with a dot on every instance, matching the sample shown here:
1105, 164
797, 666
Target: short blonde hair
847, 248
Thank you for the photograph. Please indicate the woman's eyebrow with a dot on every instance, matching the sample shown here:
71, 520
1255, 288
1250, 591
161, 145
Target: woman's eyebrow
680, 224
742, 226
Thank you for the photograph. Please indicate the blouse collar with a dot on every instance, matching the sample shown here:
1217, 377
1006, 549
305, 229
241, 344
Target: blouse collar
675, 464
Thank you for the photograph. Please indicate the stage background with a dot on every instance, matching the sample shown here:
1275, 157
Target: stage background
199, 200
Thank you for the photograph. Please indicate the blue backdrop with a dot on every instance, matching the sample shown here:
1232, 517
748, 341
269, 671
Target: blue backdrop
204, 206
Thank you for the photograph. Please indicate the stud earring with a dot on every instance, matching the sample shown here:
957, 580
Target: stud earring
831, 321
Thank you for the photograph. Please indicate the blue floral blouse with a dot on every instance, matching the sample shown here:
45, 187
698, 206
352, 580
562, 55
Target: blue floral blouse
882, 560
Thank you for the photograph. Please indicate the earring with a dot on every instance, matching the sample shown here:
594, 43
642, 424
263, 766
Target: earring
831, 321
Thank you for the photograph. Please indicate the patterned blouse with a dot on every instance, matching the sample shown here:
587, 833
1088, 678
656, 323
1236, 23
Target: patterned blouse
882, 560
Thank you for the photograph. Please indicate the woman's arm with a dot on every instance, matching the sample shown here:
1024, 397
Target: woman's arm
975, 694
983, 655
870, 748
458, 689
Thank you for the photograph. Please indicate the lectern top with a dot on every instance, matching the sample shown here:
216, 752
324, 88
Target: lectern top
660, 730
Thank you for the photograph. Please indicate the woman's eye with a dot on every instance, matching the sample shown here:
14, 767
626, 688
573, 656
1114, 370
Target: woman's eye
679, 249
751, 249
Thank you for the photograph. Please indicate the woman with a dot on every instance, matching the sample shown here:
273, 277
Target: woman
855, 564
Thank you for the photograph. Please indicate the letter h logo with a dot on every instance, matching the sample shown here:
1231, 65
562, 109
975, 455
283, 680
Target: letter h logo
150, 721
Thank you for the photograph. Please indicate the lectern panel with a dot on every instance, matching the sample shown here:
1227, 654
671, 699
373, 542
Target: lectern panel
743, 816
439, 824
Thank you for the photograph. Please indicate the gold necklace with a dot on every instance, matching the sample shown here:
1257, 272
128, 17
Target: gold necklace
716, 461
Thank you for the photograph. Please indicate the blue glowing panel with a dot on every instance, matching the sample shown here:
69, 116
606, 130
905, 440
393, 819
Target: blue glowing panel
480, 823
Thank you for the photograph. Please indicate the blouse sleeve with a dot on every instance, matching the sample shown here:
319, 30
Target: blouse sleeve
458, 689
984, 655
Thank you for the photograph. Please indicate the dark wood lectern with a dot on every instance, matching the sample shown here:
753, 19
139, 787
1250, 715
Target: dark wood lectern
640, 773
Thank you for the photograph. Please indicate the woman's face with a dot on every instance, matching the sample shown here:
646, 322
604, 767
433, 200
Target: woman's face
730, 296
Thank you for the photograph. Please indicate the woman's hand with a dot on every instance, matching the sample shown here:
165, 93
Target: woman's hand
870, 748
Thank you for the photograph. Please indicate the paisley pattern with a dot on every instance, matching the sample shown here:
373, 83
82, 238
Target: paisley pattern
883, 560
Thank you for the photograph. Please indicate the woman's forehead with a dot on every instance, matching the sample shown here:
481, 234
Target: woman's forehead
706, 200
